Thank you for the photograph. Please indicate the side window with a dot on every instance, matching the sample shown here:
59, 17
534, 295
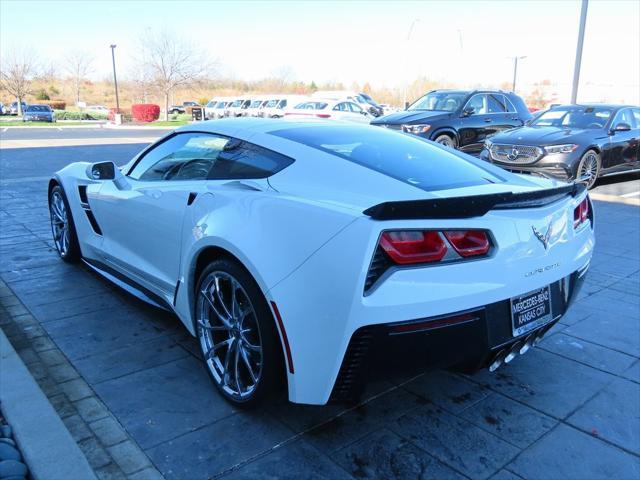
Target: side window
496, 104
624, 116
510, 107
355, 108
185, 156
636, 116
244, 160
479, 104
342, 107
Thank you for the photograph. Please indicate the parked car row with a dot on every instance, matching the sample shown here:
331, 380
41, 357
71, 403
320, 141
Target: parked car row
567, 142
277, 106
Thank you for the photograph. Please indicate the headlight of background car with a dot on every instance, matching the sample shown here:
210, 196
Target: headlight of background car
568, 148
416, 129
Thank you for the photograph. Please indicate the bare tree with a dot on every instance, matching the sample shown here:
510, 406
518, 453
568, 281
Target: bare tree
78, 65
170, 62
16, 73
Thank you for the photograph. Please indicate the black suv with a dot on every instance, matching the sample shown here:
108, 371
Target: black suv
461, 119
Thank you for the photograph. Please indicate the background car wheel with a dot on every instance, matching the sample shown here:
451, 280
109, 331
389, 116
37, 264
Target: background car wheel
237, 334
63, 228
589, 166
446, 140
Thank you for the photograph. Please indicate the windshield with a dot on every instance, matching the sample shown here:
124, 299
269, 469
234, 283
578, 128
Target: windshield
237, 103
404, 157
38, 108
211, 104
312, 105
581, 117
221, 104
445, 101
255, 104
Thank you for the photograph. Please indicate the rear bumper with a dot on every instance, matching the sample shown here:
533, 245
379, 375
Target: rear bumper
475, 341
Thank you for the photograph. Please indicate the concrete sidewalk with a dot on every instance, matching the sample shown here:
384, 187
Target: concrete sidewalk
46, 445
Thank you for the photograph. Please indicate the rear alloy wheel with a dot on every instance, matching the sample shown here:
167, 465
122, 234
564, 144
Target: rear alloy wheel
237, 334
62, 226
446, 140
589, 168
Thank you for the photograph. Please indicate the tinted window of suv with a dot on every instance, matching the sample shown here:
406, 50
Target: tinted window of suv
407, 158
496, 103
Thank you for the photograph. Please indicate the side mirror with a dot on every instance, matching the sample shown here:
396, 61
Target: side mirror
102, 171
621, 127
468, 111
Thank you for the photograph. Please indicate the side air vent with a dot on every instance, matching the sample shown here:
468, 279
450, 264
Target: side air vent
82, 191
84, 201
93, 222
379, 264
351, 375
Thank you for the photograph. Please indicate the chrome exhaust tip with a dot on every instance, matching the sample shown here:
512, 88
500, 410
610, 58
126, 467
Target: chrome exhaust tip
513, 353
527, 344
497, 361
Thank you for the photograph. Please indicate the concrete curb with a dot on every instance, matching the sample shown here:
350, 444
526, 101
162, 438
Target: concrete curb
46, 444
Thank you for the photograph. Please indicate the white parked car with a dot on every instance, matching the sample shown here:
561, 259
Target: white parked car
238, 107
97, 109
254, 107
276, 106
329, 109
210, 109
299, 252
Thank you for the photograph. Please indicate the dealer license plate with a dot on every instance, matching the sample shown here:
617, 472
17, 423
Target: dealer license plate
530, 311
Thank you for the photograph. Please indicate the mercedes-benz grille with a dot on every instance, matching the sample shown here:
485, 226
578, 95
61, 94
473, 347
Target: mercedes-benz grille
515, 154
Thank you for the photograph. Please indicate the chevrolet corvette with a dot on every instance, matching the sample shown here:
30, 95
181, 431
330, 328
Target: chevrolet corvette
302, 253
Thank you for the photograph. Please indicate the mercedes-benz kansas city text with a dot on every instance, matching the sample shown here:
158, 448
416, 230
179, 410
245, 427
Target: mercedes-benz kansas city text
297, 252
459, 118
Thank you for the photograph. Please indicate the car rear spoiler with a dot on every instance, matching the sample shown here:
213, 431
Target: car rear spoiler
471, 206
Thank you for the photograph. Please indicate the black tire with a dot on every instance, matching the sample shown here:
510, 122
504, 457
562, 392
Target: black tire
272, 368
591, 163
72, 252
446, 140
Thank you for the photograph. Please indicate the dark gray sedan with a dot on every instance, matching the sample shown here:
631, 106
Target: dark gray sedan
571, 142
38, 113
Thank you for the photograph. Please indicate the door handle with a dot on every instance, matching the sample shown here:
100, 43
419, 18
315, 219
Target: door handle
487, 120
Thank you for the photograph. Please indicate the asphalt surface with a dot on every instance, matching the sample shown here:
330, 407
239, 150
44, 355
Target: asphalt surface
569, 408
42, 133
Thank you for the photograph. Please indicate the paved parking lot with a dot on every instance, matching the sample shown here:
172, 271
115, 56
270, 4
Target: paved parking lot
568, 409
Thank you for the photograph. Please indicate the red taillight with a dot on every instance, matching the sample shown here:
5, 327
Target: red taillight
413, 246
323, 115
581, 213
468, 243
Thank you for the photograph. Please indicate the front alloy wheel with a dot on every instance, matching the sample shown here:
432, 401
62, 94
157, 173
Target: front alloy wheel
446, 140
237, 335
62, 226
589, 168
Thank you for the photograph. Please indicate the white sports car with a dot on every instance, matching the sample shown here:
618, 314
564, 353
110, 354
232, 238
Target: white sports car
304, 252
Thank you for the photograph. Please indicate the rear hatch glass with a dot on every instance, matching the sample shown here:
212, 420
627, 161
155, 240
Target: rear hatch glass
404, 157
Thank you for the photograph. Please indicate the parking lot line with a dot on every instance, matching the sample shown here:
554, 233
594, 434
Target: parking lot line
631, 194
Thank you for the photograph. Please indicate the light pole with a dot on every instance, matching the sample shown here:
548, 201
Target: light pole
515, 70
406, 62
576, 69
115, 79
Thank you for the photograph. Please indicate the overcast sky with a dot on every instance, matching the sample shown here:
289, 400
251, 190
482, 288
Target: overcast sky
465, 42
